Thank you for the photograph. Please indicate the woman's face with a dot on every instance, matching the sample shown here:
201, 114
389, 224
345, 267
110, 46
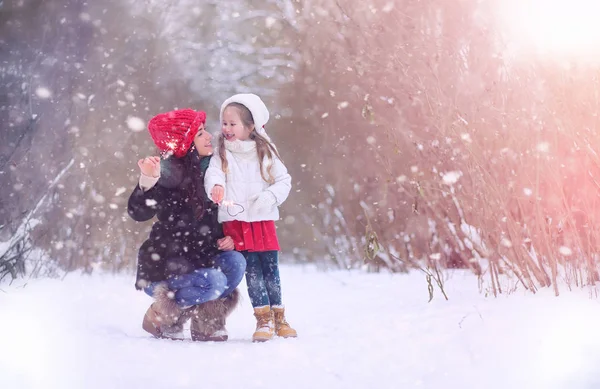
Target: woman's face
202, 142
232, 126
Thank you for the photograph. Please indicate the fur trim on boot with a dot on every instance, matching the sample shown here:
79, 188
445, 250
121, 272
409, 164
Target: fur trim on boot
208, 319
164, 318
166, 304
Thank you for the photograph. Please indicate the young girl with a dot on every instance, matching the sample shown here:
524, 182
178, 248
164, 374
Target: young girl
249, 181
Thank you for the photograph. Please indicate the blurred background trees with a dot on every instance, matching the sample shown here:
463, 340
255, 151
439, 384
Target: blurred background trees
417, 134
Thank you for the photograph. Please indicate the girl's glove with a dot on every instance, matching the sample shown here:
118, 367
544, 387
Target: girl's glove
262, 202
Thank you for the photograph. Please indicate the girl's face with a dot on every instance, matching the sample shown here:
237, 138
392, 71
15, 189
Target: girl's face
202, 142
232, 126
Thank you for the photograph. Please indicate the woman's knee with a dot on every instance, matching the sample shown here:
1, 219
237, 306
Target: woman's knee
237, 262
230, 261
212, 279
237, 269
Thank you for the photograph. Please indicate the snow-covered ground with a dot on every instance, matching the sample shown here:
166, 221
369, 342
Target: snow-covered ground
356, 331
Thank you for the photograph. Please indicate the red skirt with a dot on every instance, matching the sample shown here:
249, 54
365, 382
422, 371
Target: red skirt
253, 236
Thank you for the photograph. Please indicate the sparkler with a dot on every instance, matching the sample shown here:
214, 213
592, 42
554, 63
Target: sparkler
229, 203
172, 145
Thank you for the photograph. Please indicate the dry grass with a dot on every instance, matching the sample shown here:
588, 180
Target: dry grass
425, 90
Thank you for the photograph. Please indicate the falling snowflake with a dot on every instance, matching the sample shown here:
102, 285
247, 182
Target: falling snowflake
135, 124
543, 147
98, 198
142, 283
43, 93
506, 243
527, 191
151, 202
451, 178
565, 251
120, 191
324, 115
343, 105
270, 21
388, 7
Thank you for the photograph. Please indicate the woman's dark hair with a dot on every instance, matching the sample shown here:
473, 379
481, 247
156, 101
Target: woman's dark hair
175, 171
195, 191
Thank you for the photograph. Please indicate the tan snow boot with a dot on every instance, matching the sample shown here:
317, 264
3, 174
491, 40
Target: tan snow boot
264, 324
208, 319
164, 319
282, 327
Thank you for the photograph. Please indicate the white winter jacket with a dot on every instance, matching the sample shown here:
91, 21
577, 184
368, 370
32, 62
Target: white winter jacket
244, 183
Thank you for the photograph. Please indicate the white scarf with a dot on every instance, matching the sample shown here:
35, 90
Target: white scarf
245, 146
240, 146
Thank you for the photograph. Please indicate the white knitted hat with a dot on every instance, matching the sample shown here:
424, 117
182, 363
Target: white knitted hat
257, 108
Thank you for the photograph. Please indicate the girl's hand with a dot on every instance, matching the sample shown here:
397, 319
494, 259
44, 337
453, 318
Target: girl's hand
217, 193
150, 166
262, 202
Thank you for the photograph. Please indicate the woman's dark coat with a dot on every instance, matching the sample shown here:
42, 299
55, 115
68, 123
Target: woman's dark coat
185, 235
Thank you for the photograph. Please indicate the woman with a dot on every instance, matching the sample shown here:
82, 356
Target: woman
187, 265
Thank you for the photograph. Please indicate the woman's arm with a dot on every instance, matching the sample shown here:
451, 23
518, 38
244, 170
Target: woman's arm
142, 203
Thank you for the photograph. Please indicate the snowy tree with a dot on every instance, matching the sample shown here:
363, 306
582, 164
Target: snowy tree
221, 48
82, 81
37, 75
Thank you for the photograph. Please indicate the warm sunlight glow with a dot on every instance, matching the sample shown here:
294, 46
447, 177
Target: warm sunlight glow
554, 27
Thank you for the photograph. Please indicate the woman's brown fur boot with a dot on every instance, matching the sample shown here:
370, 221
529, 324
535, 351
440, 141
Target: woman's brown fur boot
208, 319
164, 319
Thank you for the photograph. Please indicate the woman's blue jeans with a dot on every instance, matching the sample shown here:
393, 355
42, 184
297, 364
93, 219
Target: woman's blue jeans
207, 284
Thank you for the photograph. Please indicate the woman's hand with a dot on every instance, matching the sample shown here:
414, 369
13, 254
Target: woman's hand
217, 193
150, 166
225, 244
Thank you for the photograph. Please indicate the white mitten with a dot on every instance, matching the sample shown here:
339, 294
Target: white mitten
262, 202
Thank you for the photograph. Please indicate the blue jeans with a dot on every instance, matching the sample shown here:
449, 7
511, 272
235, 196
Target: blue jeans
207, 284
262, 277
